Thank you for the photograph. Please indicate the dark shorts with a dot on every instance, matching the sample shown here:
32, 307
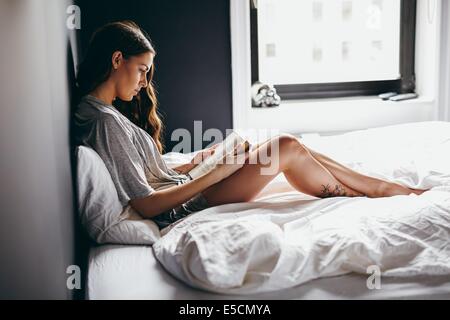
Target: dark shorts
195, 204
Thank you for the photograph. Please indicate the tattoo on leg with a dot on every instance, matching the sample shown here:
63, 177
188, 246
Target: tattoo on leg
338, 191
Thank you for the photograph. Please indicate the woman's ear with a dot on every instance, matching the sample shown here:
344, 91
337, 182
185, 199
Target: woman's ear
117, 58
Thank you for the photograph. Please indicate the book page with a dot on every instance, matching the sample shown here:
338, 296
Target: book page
227, 146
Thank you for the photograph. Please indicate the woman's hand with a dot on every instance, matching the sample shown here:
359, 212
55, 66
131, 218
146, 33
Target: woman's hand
199, 157
204, 154
229, 165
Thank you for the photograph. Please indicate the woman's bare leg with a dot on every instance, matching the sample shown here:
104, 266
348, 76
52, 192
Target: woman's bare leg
301, 169
370, 186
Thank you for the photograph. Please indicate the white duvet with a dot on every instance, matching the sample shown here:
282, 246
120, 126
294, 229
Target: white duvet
286, 238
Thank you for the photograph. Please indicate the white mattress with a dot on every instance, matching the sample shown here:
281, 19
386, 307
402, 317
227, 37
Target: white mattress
132, 272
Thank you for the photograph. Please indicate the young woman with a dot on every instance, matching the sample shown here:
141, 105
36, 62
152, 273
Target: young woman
117, 117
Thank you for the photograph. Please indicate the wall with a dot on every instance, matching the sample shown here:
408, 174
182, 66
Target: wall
193, 62
444, 88
37, 228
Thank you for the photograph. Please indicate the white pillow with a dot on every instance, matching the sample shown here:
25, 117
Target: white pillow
101, 213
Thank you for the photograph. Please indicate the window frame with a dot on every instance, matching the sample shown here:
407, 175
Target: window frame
406, 83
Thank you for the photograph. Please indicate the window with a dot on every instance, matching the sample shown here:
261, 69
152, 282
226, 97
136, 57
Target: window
333, 48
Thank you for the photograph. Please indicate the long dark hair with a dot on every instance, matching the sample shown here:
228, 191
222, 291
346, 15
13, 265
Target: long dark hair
128, 38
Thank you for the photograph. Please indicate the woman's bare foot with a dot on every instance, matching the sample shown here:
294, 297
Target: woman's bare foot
394, 189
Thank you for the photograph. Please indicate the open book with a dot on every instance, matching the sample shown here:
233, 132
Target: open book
227, 146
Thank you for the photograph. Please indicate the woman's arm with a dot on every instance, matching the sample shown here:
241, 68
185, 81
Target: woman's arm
184, 168
199, 157
163, 200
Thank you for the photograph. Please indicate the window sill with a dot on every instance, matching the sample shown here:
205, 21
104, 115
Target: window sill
373, 100
339, 114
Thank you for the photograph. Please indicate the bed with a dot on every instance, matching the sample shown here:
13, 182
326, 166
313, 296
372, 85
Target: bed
287, 245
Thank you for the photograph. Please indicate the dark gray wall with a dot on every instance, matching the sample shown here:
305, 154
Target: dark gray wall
37, 218
193, 62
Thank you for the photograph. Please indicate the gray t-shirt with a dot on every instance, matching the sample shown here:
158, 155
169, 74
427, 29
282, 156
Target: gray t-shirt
130, 154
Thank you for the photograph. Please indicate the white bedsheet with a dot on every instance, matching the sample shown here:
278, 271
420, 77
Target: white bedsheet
132, 272
285, 238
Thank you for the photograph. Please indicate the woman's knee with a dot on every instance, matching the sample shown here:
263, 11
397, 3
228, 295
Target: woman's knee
290, 148
291, 144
